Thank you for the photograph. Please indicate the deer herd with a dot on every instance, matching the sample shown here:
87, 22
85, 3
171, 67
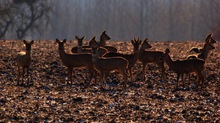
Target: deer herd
101, 59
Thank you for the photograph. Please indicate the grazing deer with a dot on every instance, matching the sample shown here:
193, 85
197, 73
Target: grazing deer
208, 39
150, 57
80, 48
24, 60
105, 65
75, 60
187, 66
206, 49
132, 58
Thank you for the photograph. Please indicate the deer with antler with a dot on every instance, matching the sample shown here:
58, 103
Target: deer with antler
23, 60
132, 58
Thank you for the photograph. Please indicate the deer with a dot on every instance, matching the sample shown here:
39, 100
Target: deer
150, 57
23, 60
103, 38
75, 60
208, 39
132, 58
106, 65
185, 66
204, 53
80, 48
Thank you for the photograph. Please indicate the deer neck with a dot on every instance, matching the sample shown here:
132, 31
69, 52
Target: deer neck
169, 61
203, 55
28, 54
136, 55
94, 58
141, 51
62, 53
102, 41
79, 50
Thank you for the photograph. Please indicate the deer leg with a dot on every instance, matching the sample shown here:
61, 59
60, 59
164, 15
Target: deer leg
182, 76
125, 78
130, 72
23, 72
200, 78
178, 76
27, 69
161, 65
101, 78
144, 71
19, 74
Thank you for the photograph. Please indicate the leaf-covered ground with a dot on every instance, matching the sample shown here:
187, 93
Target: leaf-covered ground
49, 99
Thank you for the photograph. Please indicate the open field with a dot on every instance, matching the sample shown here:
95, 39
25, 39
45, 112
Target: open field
50, 99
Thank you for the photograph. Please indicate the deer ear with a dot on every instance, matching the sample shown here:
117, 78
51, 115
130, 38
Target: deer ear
25, 42
93, 38
146, 40
140, 41
132, 41
104, 32
32, 42
57, 40
77, 37
208, 37
167, 50
64, 41
83, 37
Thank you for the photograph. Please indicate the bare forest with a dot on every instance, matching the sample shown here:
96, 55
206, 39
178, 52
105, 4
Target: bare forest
110, 61
158, 19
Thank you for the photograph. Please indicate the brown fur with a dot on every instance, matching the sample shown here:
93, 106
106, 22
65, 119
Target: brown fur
185, 66
105, 65
132, 58
23, 60
80, 48
75, 60
208, 39
150, 57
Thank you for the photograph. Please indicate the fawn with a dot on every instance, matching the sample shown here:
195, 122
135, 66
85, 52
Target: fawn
208, 39
23, 60
80, 48
150, 57
132, 58
75, 60
187, 66
105, 65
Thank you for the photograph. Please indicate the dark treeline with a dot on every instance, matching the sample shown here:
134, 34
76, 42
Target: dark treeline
122, 19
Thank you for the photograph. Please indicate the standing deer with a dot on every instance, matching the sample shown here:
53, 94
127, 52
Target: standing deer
103, 38
132, 58
208, 39
75, 60
80, 48
105, 65
150, 57
185, 66
23, 60
204, 53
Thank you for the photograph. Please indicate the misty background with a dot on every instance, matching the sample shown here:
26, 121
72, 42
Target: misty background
158, 20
